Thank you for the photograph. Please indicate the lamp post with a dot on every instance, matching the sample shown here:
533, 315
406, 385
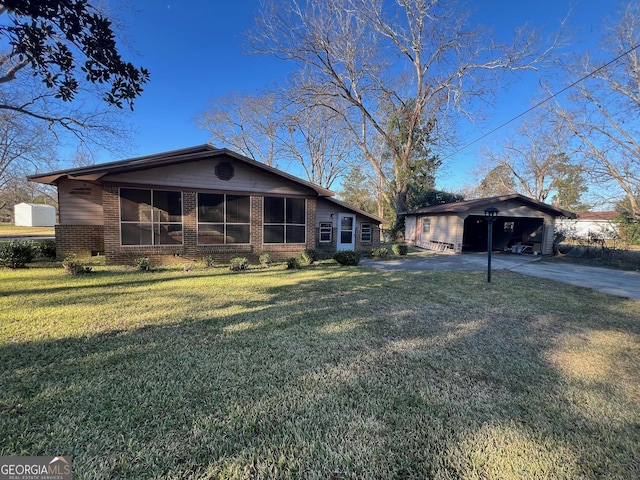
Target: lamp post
490, 213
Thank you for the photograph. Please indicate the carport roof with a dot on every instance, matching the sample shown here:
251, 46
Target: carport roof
463, 207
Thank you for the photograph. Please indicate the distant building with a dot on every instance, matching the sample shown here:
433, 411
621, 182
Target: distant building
32, 215
590, 225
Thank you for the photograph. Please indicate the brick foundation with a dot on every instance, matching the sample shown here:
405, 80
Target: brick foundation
82, 240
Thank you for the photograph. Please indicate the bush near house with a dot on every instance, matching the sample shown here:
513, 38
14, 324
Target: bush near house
16, 254
265, 260
400, 249
143, 263
74, 266
293, 263
380, 253
238, 264
45, 249
347, 257
308, 256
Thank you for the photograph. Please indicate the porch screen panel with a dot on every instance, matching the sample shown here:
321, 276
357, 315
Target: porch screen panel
223, 219
150, 217
285, 220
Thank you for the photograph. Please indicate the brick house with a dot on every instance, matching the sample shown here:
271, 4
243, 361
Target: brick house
200, 201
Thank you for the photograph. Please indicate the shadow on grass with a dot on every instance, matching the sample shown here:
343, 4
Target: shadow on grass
367, 375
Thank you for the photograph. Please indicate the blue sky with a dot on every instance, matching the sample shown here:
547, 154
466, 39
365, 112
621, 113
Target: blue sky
194, 51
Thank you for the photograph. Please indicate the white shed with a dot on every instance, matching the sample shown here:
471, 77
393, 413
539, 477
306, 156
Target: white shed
32, 215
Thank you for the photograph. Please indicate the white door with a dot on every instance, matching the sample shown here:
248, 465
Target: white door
346, 231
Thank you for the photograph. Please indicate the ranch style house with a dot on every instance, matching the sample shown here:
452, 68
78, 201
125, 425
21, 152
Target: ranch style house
200, 201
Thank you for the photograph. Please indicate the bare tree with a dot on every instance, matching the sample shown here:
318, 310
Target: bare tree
535, 163
25, 146
315, 140
249, 124
603, 109
417, 58
272, 127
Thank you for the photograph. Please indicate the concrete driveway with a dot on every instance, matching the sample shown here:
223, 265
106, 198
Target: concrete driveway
614, 282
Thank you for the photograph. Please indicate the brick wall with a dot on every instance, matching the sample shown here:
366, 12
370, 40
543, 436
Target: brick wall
83, 240
375, 238
88, 239
326, 250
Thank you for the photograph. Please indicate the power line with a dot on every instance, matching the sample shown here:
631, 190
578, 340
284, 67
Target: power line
502, 125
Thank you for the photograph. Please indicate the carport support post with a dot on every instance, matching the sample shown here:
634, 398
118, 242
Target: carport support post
490, 214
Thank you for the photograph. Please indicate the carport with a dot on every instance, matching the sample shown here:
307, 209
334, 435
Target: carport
523, 225
509, 233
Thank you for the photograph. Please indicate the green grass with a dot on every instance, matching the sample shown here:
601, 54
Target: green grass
325, 372
10, 230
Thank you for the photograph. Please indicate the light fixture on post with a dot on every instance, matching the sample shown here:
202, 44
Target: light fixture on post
490, 214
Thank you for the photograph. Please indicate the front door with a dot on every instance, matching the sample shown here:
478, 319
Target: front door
346, 231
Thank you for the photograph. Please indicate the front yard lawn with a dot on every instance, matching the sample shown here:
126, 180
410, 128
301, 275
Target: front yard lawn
325, 372
10, 230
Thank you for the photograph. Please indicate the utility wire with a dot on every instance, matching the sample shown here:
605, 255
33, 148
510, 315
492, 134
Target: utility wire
502, 125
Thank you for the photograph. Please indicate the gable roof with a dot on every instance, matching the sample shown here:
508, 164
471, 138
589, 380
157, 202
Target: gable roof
95, 172
467, 205
357, 210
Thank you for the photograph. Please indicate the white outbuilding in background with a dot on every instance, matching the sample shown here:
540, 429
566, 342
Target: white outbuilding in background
31, 215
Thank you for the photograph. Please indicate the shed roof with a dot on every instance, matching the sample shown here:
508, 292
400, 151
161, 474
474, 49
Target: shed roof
95, 172
35, 205
467, 205
602, 216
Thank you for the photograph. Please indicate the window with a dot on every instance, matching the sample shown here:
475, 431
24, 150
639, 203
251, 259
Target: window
508, 226
365, 233
284, 220
426, 225
223, 219
326, 232
150, 217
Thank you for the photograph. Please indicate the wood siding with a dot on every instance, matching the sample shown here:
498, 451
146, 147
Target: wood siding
79, 203
201, 175
446, 230
411, 230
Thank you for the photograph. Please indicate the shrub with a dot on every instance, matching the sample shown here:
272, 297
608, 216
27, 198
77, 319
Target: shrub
74, 266
265, 260
400, 248
143, 263
238, 263
308, 256
293, 263
16, 254
381, 252
209, 261
46, 249
347, 257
